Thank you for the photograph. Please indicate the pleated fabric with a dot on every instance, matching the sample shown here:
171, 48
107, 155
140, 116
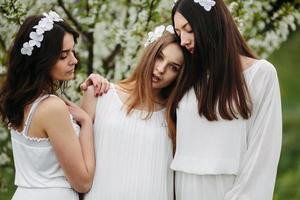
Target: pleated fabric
133, 154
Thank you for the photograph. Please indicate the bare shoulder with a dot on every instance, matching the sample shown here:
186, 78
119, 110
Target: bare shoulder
52, 106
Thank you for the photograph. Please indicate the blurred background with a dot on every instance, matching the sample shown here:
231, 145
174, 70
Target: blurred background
113, 34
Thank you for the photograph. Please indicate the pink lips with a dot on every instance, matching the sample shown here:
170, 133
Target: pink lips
155, 78
72, 71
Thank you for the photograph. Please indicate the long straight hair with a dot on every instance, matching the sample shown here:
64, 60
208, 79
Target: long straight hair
139, 84
29, 76
215, 70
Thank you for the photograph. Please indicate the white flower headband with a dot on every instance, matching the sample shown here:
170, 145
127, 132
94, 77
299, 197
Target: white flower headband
158, 32
206, 4
37, 36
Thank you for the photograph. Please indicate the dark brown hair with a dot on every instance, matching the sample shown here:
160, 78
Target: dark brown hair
29, 76
215, 71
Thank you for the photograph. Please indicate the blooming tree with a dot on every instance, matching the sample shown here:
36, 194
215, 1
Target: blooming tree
114, 32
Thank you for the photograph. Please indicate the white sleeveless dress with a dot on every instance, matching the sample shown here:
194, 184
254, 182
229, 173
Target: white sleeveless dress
132, 155
38, 172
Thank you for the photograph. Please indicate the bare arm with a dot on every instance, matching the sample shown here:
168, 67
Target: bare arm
89, 102
76, 156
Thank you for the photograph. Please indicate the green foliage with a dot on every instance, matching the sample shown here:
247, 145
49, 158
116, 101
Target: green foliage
113, 33
287, 62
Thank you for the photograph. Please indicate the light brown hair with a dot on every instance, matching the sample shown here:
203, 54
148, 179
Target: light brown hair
139, 84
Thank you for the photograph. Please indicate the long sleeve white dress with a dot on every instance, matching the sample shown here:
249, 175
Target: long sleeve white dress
231, 160
133, 155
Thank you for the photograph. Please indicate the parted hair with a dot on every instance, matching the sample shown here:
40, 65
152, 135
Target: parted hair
29, 76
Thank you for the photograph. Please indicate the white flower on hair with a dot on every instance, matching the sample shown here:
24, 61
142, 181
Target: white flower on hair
174, 2
170, 29
26, 49
36, 39
206, 4
152, 36
44, 25
53, 16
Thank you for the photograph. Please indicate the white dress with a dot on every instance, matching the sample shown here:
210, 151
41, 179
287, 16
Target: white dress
38, 172
231, 160
132, 155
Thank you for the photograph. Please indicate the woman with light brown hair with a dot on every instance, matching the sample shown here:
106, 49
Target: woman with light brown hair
132, 146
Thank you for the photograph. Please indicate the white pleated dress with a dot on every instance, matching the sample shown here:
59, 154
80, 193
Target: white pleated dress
38, 172
231, 160
133, 155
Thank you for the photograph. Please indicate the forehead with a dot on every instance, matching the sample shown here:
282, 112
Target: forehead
179, 20
68, 40
173, 53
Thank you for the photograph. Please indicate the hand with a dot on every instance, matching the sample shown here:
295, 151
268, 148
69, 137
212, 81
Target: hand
79, 115
100, 84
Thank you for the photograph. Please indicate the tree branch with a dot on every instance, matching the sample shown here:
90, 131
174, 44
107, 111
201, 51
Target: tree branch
108, 60
3, 45
72, 19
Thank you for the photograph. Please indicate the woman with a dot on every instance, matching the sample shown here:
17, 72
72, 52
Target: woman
133, 150
228, 110
52, 154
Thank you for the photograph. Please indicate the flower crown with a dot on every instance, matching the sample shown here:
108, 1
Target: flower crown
206, 4
37, 36
157, 33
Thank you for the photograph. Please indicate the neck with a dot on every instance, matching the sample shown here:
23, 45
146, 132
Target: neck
157, 97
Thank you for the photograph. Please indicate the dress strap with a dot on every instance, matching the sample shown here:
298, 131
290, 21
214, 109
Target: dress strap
31, 111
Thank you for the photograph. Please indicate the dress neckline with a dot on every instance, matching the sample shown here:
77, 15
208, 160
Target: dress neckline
113, 86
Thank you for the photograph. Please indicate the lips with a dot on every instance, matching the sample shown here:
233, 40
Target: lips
191, 50
155, 78
71, 71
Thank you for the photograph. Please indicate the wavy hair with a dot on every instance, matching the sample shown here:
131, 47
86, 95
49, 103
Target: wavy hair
29, 76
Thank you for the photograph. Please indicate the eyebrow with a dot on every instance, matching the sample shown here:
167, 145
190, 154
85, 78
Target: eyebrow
67, 50
178, 65
184, 26
172, 63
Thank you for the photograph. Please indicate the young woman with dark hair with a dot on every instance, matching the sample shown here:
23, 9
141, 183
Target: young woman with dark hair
133, 149
227, 110
52, 154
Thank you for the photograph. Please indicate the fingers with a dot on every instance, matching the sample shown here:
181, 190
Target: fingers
83, 86
104, 87
89, 81
101, 85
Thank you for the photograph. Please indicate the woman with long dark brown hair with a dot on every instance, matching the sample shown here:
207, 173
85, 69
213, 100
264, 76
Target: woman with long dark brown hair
52, 154
133, 149
227, 110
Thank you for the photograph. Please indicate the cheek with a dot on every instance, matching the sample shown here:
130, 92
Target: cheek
171, 76
192, 37
57, 71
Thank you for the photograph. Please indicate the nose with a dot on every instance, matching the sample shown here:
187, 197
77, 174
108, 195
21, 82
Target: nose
74, 60
184, 41
161, 68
